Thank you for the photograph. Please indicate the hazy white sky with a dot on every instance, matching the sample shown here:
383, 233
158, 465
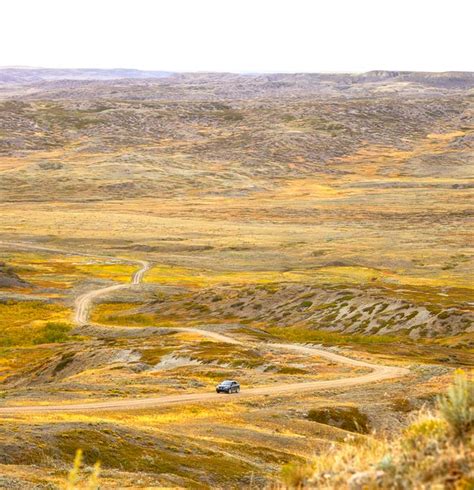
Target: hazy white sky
239, 35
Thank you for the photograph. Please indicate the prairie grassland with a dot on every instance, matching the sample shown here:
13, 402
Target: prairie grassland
394, 248
342, 275
163, 274
297, 211
226, 247
259, 436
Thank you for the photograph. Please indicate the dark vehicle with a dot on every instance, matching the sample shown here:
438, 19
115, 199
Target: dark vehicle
228, 386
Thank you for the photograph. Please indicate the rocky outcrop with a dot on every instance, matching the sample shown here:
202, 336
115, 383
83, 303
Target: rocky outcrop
9, 279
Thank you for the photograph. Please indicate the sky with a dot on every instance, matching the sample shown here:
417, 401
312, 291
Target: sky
239, 35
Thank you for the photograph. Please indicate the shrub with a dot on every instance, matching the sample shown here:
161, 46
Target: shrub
457, 405
425, 431
443, 315
346, 418
291, 370
231, 115
294, 475
401, 405
54, 332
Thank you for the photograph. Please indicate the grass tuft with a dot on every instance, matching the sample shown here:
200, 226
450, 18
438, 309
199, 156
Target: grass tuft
75, 481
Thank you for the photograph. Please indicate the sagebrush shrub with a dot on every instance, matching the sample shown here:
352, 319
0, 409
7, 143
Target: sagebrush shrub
457, 405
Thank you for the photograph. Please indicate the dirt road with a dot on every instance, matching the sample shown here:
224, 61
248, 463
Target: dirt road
82, 309
84, 302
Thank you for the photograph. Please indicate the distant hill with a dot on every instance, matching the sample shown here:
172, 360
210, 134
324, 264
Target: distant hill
442, 79
28, 75
92, 84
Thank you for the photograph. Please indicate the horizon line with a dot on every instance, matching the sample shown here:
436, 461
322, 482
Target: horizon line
236, 72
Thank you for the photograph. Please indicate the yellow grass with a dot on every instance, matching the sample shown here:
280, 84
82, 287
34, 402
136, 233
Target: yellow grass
164, 274
113, 272
23, 321
180, 276
156, 419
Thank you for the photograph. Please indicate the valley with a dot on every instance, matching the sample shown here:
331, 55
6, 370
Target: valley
308, 235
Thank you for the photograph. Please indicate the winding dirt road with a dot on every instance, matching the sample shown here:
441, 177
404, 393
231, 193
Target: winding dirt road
84, 302
82, 309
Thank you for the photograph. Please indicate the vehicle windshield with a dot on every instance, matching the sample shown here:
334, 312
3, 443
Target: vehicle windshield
225, 383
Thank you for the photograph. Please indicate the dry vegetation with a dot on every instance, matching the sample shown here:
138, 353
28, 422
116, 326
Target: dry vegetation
326, 209
436, 450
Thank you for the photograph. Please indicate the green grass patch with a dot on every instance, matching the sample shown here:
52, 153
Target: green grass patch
302, 335
121, 314
53, 333
291, 370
